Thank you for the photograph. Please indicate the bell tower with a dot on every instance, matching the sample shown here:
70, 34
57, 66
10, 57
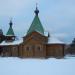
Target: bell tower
10, 36
36, 24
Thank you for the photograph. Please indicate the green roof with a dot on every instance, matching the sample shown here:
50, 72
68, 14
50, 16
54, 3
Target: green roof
10, 30
36, 26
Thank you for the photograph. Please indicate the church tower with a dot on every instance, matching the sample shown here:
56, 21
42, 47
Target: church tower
10, 36
34, 43
36, 24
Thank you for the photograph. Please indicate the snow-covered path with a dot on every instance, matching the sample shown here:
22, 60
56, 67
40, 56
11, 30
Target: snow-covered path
52, 66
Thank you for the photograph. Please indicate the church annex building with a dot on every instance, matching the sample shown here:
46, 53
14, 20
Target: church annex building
35, 44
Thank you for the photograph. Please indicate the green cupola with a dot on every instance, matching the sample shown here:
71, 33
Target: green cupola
36, 24
10, 30
10, 36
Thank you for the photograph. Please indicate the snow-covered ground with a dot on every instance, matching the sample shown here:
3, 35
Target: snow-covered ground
51, 66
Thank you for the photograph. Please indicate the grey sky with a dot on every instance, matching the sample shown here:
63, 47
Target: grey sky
57, 16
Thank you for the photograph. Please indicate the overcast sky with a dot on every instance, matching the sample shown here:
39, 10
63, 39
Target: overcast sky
57, 16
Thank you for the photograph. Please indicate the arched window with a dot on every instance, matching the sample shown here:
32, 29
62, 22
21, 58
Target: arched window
39, 48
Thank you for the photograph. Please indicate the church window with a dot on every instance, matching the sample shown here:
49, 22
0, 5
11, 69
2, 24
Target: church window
13, 38
39, 48
27, 48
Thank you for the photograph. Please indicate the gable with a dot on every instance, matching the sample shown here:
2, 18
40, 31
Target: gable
35, 37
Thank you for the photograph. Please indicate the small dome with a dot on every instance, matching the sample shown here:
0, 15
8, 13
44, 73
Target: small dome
10, 30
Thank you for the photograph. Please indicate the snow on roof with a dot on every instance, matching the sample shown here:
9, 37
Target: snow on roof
16, 42
46, 33
9, 35
53, 40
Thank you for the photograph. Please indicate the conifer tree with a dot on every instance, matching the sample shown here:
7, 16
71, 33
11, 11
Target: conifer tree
72, 47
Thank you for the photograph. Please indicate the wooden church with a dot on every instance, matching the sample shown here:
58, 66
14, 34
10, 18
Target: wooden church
35, 44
